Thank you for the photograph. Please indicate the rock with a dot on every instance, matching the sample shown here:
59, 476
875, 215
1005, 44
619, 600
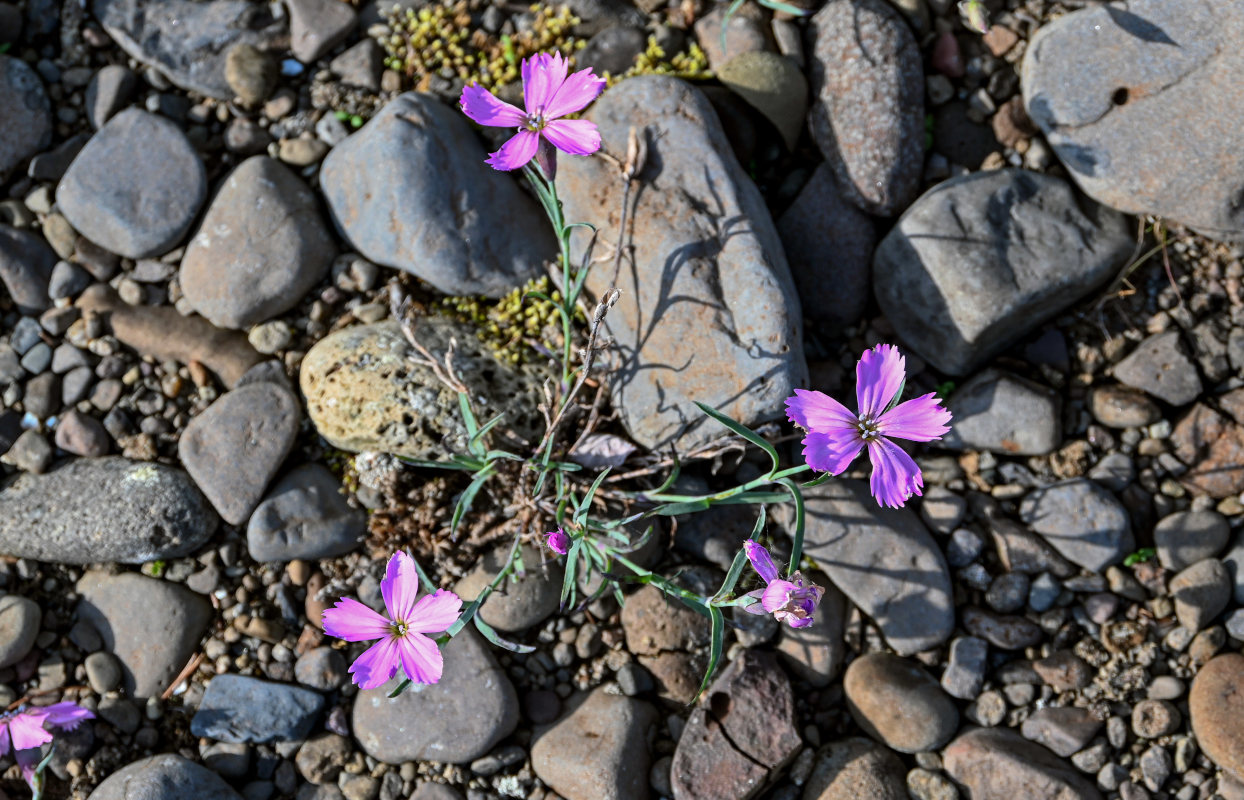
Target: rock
234, 448
164, 334
1003, 413
1120, 407
899, 704
1154, 718
187, 41
164, 777
19, 625
663, 633
966, 667
136, 186
613, 50
829, 244
1082, 520
1201, 592
316, 26
261, 246
321, 758
599, 751
362, 64
67, 280
1212, 447
923, 784
867, 112
854, 769
1160, 367
103, 672
1065, 730
1186, 537
304, 516
1234, 562
1021, 550
28, 114
858, 543
104, 509
434, 791
1140, 80
152, 626
455, 721
1004, 632
520, 601
364, 392
999, 764
82, 435
1215, 705
746, 31
742, 732
26, 264
251, 73
236, 708
773, 85
487, 239
980, 261
30, 453
321, 668
680, 279
815, 653
108, 92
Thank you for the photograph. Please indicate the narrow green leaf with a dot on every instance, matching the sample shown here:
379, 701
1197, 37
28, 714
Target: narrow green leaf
419, 462
568, 580
817, 481
468, 613
674, 509
673, 476
752, 498
468, 497
725, 20
740, 560
468, 416
742, 430
777, 5
582, 510
716, 642
796, 536
491, 635
476, 443
424, 580
401, 687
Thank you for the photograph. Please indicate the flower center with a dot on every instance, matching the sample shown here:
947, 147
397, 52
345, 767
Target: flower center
399, 627
535, 122
867, 427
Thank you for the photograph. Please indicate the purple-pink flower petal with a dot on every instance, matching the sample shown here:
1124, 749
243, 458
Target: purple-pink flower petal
543, 75
761, 561
434, 612
817, 411
878, 377
798, 622
26, 729
482, 106
895, 478
377, 664
756, 607
66, 715
557, 541
776, 595
921, 419
515, 153
27, 762
832, 451
421, 658
400, 586
574, 94
578, 137
351, 620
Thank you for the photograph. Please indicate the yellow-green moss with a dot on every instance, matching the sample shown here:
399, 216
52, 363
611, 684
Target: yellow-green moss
691, 65
506, 326
440, 39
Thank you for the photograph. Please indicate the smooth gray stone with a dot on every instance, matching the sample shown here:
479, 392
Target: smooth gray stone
27, 127
304, 516
237, 708
164, 777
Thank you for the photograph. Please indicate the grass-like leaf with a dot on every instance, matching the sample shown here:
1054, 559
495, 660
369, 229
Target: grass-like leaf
468, 497
491, 635
568, 580
744, 431
740, 561
716, 642
796, 537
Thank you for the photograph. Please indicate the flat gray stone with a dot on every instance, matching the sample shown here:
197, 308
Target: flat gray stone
435, 210
520, 601
26, 264
884, 561
867, 113
455, 721
20, 619
186, 40
1082, 520
104, 509
703, 264
1003, 413
261, 247
237, 708
27, 127
1142, 105
164, 777
316, 26
1160, 366
304, 516
235, 447
980, 261
153, 627
136, 186
1186, 537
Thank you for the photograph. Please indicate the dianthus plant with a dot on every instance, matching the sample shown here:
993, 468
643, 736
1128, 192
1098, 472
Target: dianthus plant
601, 551
25, 729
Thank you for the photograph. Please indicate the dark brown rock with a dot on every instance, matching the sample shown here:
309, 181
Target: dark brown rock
856, 769
665, 634
1216, 704
896, 702
1212, 446
999, 764
599, 751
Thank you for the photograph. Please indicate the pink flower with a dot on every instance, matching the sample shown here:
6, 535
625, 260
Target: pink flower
23, 731
403, 642
836, 436
793, 601
557, 541
548, 95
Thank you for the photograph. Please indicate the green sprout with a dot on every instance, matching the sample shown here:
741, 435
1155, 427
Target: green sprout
1140, 556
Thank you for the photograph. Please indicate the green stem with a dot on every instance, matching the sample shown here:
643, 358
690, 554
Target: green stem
772, 477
